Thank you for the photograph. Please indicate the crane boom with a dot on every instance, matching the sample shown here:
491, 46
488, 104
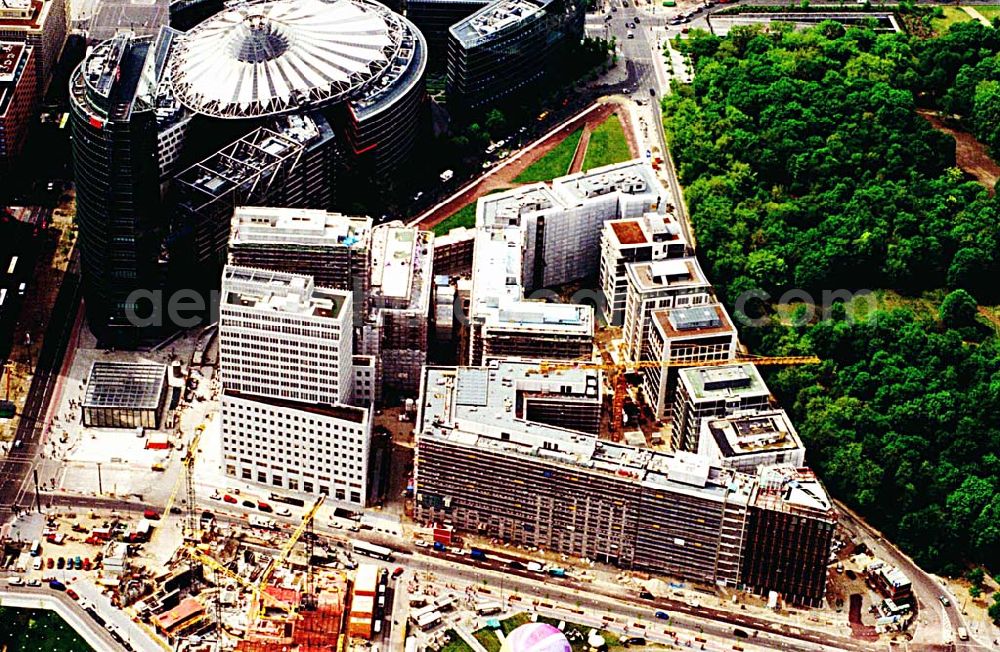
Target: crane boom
286, 550
616, 371
216, 565
187, 465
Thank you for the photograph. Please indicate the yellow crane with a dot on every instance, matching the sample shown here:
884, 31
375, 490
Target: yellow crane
286, 550
255, 588
186, 477
616, 372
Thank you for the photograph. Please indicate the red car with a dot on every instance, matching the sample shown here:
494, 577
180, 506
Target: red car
151, 514
50, 562
86, 563
396, 573
73, 594
229, 499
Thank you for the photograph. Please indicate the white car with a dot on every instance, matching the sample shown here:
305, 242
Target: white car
215, 496
421, 544
283, 511
15, 581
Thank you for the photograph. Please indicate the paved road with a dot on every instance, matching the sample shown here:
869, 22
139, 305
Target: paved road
26, 445
926, 589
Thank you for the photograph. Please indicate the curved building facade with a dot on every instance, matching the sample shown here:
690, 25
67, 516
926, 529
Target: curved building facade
115, 159
383, 125
506, 48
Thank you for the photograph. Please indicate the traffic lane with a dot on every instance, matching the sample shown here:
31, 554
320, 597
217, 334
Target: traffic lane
590, 598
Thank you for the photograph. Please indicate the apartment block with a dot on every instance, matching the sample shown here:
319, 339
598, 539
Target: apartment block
41, 24
690, 336
281, 336
332, 248
789, 533
712, 392
674, 283
749, 440
397, 327
653, 236
18, 99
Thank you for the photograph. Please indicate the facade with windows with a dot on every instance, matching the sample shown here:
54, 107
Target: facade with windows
285, 353
18, 98
507, 48
124, 395
711, 392
313, 449
115, 159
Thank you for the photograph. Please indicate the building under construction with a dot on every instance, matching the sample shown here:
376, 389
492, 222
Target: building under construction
488, 466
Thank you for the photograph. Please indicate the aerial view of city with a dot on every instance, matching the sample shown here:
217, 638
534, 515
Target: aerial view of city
499, 325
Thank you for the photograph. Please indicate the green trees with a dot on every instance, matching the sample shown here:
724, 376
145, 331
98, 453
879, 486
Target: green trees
807, 166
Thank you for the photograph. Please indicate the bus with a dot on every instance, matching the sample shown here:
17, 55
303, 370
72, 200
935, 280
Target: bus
371, 550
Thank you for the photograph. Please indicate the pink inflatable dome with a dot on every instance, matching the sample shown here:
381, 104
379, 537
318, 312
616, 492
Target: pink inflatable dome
536, 637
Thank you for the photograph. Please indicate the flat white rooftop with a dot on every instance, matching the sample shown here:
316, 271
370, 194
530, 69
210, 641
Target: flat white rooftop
258, 224
280, 292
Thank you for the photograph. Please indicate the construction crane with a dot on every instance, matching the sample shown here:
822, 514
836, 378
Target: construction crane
286, 550
187, 478
257, 589
617, 370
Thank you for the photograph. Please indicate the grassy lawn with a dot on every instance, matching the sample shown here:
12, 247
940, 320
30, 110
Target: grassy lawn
989, 11
952, 15
579, 643
465, 216
488, 638
554, 164
515, 621
607, 145
456, 644
38, 629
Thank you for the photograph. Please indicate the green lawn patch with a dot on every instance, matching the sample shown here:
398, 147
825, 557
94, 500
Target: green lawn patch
38, 629
607, 145
456, 643
554, 164
952, 15
989, 11
465, 216
510, 624
577, 634
488, 638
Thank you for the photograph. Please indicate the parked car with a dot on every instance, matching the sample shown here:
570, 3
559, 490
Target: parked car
229, 499
944, 600
249, 503
15, 581
264, 507
86, 563
662, 615
34, 583
61, 563
72, 594
283, 511
78, 563
56, 585
174, 509
396, 573
50, 563
151, 514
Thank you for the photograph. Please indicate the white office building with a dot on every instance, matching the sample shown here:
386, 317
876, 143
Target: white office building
674, 283
286, 366
281, 336
634, 240
747, 441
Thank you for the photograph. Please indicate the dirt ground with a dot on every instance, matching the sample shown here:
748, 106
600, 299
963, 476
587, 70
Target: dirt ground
503, 178
970, 155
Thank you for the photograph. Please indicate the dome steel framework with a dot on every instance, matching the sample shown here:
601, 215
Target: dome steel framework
266, 58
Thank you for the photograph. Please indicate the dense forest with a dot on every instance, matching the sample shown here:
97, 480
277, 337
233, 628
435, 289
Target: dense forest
808, 167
